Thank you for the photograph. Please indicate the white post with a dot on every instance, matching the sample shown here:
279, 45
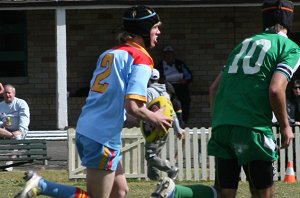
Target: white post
61, 58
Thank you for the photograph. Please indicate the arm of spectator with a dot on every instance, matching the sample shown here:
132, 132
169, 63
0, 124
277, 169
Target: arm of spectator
6, 134
1, 89
187, 74
17, 135
24, 114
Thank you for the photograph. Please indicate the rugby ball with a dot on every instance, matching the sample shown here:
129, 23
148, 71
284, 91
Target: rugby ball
149, 132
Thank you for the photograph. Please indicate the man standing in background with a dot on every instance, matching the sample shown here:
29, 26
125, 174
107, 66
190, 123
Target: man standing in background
177, 73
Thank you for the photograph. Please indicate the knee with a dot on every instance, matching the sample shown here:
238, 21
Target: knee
268, 192
122, 193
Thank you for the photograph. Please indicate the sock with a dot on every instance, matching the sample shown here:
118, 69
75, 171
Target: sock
193, 191
57, 190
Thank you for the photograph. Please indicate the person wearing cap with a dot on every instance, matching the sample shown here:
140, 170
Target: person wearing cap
152, 149
251, 85
118, 85
179, 75
293, 103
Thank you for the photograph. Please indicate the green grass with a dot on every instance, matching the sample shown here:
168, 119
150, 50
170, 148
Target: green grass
12, 182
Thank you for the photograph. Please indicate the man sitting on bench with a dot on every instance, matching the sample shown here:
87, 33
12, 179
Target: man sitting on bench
14, 115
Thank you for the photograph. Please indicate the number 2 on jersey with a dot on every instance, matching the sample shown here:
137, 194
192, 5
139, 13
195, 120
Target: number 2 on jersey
99, 85
247, 68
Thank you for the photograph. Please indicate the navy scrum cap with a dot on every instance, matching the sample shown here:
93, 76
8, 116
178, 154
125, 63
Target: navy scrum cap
278, 11
139, 20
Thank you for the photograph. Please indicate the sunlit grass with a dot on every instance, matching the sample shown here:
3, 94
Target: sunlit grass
12, 182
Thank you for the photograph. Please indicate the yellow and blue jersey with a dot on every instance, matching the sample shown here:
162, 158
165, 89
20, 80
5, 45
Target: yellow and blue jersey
122, 72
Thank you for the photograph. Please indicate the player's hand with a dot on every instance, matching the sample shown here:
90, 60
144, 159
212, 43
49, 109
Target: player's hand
162, 122
286, 136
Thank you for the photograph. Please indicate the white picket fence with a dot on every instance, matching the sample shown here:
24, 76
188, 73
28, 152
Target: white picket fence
192, 159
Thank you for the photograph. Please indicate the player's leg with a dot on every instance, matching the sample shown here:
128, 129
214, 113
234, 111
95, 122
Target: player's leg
260, 176
99, 185
101, 163
152, 171
36, 185
194, 191
99, 182
228, 170
167, 189
257, 159
120, 186
155, 163
227, 177
151, 149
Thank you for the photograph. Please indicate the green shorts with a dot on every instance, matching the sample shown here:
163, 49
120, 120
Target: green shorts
243, 143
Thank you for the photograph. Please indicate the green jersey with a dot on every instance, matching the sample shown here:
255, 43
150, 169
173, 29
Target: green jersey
242, 98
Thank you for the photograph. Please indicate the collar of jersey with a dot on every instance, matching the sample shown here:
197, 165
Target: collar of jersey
134, 44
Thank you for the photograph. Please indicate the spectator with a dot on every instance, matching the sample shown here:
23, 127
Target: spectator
293, 103
14, 114
152, 149
179, 75
14, 117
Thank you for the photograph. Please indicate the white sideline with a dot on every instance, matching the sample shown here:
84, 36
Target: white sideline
47, 135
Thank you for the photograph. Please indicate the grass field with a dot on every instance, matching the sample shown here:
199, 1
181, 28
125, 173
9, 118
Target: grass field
12, 182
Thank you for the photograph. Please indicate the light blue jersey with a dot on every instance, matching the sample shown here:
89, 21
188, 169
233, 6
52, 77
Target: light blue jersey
121, 72
18, 113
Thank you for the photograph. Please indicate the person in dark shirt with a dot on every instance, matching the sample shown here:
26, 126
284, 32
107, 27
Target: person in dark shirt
179, 75
293, 103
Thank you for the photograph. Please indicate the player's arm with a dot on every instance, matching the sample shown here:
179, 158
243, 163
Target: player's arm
277, 91
213, 89
137, 109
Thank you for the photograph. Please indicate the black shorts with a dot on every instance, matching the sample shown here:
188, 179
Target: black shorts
260, 174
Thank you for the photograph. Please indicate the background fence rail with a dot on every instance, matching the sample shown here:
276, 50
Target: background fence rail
190, 155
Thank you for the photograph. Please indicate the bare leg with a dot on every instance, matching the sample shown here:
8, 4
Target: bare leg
99, 182
226, 192
265, 193
120, 187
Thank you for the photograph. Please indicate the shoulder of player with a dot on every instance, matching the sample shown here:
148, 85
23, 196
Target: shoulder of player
139, 56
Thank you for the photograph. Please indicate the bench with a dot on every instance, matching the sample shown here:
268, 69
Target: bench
22, 152
47, 135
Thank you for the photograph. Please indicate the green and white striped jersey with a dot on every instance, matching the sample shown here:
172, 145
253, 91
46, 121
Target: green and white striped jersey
242, 98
